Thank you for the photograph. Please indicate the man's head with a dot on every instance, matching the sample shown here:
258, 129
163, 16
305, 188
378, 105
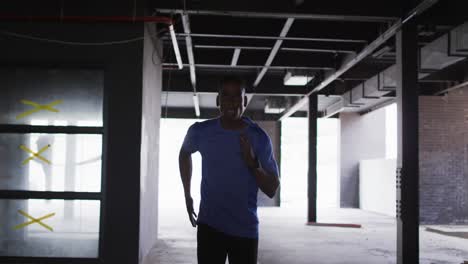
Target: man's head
231, 98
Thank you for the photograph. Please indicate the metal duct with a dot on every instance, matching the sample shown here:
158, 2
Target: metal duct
439, 54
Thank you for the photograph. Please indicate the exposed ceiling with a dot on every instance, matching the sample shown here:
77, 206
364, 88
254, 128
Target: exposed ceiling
261, 40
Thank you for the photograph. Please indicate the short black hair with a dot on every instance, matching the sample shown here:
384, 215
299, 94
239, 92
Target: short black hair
232, 80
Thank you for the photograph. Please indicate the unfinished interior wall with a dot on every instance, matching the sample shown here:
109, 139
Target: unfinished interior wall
377, 186
443, 164
362, 137
273, 129
151, 112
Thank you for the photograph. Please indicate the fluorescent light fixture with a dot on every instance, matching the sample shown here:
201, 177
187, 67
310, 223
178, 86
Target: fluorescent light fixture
196, 104
176, 47
273, 110
297, 80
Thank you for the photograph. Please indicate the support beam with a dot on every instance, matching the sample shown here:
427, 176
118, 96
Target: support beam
235, 57
249, 67
453, 88
371, 48
203, 35
312, 174
209, 113
209, 84
291, 49
274, 50
408, 145
292, 59
318, 50
266, 44
231, 47
273, 10
191, 59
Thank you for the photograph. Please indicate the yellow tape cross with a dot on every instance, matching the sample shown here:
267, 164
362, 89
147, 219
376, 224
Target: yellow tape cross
34, 220
35, 155
38, 107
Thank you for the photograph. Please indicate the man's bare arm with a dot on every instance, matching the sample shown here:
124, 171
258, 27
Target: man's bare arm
267, 182
185, 168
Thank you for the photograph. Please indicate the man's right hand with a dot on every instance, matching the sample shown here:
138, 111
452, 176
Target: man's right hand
191, 213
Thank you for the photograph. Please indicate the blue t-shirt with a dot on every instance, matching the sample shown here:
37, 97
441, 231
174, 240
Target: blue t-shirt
228, 189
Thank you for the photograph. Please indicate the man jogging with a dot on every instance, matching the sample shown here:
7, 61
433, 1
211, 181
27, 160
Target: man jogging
237, 159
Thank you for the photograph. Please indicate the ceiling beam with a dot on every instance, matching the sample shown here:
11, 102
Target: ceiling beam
371, 48
291, 49
294, 59
323, 17
209, 113
261, 43
235, 57
274, 51
191, 59
231, 47
171, 65
209, 84
331, 10
236, 36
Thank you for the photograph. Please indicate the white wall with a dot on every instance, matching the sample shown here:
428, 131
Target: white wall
151, 113
362, 137
377, 186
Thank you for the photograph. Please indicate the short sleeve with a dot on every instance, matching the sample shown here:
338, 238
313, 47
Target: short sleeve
191, 140
266, 156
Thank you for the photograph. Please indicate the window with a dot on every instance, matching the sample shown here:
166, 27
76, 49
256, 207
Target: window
51, 141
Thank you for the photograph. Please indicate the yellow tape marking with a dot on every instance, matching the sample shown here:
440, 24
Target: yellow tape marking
34, 220
38, 107
35, 155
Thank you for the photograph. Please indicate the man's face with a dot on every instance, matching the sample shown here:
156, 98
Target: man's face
231, 101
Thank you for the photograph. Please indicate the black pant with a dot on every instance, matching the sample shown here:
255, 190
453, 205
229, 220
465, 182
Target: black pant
214, 246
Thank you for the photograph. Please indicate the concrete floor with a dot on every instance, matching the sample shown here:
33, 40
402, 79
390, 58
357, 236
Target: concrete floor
284, 238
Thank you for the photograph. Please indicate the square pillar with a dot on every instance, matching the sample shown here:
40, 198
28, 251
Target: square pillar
312, 174
408, 145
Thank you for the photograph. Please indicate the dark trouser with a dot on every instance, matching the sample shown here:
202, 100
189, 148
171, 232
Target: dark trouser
214, 246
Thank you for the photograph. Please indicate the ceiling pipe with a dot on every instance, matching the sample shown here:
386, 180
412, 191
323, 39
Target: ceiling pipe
371, 48
274, 51
453, 88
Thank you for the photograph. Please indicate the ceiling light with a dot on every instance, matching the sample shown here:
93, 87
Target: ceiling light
275, 105
297, 79
196, 104
176, 47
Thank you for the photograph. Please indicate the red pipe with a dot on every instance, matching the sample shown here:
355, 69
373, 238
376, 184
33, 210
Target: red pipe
164, 20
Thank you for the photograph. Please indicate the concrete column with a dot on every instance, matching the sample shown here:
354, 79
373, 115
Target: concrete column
312, 175
408, 144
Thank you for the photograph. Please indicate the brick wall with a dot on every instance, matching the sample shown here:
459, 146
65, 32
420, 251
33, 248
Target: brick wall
443, 136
